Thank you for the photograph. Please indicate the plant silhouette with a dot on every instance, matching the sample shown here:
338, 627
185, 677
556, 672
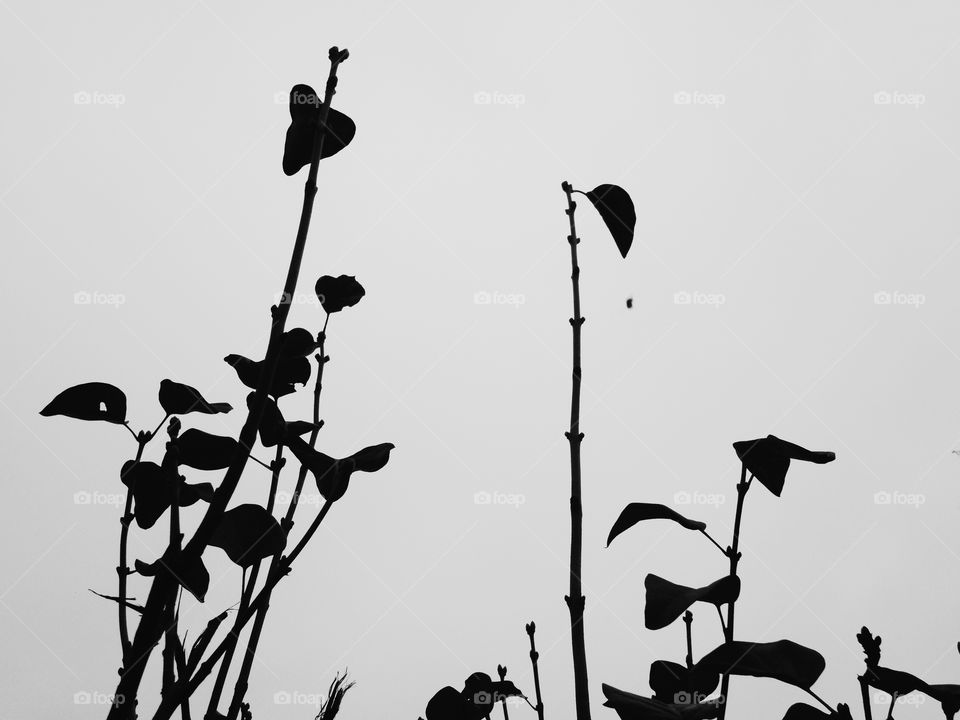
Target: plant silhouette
249, 534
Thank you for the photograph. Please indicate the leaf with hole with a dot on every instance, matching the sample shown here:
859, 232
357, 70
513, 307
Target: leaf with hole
768, 459
90, 401
666, 601
179, 399
783, 660
248, 533
638, 512
616, 209
304, 117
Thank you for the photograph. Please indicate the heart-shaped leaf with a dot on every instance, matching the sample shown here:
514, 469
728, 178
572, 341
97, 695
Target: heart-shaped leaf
248, 533
616, 208
90, 401
636, 707
179, 399
304, 117
333, 475
670, 681
337, 293
768, 459
637, 512
297, 342
205, 451
783, 660
666, 601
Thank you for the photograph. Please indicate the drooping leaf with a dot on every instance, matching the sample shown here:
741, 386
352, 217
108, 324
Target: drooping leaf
333, 475
337, 293
666, 601
616, 208
114, 598
205, 451
274, 429
636, 707
248, 533
152, 490
947, 695
304, 118
637, 512
670, 680
783, 660
289, 372
768, 459
192, 574
90, 401
179, 399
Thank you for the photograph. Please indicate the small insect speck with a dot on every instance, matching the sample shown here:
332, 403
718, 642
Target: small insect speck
629, 302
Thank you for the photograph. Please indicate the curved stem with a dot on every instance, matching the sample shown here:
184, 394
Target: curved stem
122, 570
575, 600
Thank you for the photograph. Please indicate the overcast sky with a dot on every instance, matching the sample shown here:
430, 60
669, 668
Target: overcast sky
795, 168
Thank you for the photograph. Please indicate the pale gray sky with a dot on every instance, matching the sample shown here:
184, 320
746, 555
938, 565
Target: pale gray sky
773, 185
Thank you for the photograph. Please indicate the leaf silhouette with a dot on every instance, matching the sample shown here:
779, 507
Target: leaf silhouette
304, 117
666, 601
637, 512
337, 293
333, 475
948, 696
768, 459
90, 401
616, 208
248, 533
298, 342
893, 682
192, 574
783, 660
289, 372
636, 707
205, 451
669, 679
179, 399
802, 711
274, 429
152, 490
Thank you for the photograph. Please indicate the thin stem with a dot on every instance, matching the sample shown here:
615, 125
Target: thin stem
575, 600
734, 554
122, 569
534, 657
502, 673
688, 621
150, 629
710, 538
723, 625
159, 425
820, 700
